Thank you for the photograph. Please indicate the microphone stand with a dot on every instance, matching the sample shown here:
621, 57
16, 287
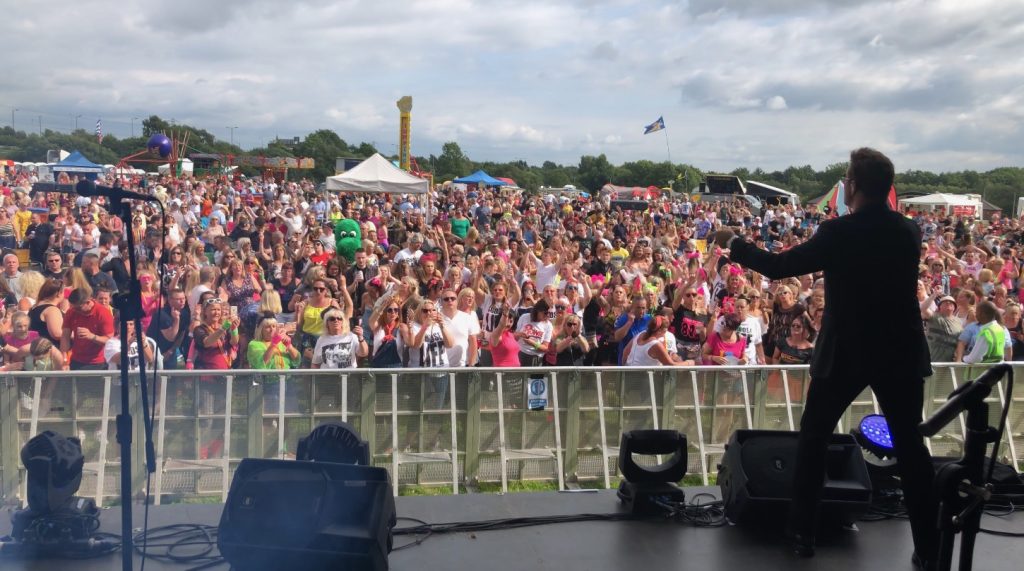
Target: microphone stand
960, 486
129, 306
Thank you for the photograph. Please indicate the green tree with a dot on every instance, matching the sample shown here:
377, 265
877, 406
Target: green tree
452, 163
153, 124
323, 146
595, 172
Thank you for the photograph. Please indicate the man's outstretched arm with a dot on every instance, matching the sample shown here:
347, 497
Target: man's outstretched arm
803, 259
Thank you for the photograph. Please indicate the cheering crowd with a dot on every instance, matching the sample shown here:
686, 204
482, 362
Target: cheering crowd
249, 274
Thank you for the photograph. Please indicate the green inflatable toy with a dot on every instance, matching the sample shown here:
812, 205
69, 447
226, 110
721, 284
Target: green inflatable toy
348, 238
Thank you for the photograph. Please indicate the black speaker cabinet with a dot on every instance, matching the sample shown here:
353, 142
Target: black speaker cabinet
284, 514
756, 477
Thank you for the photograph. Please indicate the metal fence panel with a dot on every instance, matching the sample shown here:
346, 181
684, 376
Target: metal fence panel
206, 421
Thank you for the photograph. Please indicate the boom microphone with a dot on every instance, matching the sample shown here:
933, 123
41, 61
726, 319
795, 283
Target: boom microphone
961, 398
113, 193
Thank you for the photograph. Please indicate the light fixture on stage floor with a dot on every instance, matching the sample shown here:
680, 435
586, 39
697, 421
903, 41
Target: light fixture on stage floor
873, 434
56, 522
334, 442
875, 439
649, 489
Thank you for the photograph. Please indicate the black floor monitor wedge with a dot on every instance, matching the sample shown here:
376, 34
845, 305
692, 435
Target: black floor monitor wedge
283, 514
756, 477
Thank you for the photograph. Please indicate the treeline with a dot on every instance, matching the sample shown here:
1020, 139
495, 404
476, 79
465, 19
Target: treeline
1000, 186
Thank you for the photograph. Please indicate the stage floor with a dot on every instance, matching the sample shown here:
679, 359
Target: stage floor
596, 546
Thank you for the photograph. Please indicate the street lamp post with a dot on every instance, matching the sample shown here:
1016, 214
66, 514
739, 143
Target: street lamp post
40, 124
133, 126
13, 109
232, 129
76, 121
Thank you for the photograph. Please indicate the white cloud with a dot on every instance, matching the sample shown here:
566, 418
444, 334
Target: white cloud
776, 103
939, 83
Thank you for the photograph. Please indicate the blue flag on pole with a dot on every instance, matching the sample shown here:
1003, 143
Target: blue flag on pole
656, 126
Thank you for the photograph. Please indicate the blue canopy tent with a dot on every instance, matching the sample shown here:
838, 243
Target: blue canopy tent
77, 164
480, 178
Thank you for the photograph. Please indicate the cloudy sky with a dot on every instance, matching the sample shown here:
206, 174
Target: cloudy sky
769, 83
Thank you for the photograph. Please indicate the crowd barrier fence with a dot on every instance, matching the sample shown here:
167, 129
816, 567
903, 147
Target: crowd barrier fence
454, 427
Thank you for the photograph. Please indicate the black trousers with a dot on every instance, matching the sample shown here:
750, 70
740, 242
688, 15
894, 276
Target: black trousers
901, 400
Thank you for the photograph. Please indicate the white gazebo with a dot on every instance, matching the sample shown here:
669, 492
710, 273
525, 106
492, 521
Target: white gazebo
947, 204
377, 174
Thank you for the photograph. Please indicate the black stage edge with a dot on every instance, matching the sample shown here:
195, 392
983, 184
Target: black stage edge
595, 546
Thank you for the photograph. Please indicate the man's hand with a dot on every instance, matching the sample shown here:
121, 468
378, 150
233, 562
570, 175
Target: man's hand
721, 238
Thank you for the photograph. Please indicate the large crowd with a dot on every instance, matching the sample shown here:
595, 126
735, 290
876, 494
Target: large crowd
257, 274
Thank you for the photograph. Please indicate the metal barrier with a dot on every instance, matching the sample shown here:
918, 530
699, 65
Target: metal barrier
454, 427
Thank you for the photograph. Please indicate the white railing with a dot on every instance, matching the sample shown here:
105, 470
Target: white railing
457, 427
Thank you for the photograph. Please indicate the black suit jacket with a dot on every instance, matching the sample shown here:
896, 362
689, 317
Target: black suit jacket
872, 320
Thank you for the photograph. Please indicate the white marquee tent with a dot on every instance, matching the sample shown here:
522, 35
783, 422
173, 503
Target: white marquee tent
377, 174
961, 204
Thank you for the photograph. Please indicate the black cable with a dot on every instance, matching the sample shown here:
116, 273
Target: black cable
181, 543
708, 514
419, 541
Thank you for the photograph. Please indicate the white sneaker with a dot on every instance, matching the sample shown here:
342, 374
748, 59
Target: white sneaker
26, 402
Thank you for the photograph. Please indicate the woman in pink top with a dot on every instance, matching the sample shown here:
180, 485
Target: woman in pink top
503, 344
727, 347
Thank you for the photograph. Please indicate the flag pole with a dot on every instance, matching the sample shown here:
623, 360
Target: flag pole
669, 150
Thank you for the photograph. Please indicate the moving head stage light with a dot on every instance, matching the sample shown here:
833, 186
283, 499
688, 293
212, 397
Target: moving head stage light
646, 490
56, 523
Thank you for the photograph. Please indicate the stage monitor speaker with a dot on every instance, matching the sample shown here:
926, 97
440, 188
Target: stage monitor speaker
284, 514
756, 477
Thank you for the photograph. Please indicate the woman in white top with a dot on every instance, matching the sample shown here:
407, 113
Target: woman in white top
338, 346
648, 349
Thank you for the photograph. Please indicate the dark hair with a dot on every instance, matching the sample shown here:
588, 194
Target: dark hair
539, 308
733, 321
805, 320
872, 172
79, 296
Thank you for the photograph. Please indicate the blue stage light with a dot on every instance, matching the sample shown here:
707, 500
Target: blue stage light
876, 430
873, 435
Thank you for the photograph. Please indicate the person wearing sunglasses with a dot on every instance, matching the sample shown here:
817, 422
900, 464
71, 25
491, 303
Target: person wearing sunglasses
386, 325
309, 315
339, 346
570, 346
54, 268
429, 339
464, 328
272, 348
215, 339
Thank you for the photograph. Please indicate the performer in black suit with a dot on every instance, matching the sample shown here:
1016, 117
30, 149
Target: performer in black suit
871, 334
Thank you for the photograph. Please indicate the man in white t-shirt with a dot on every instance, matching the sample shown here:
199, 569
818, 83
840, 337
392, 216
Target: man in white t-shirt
411, 253
750, 329
464, 329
